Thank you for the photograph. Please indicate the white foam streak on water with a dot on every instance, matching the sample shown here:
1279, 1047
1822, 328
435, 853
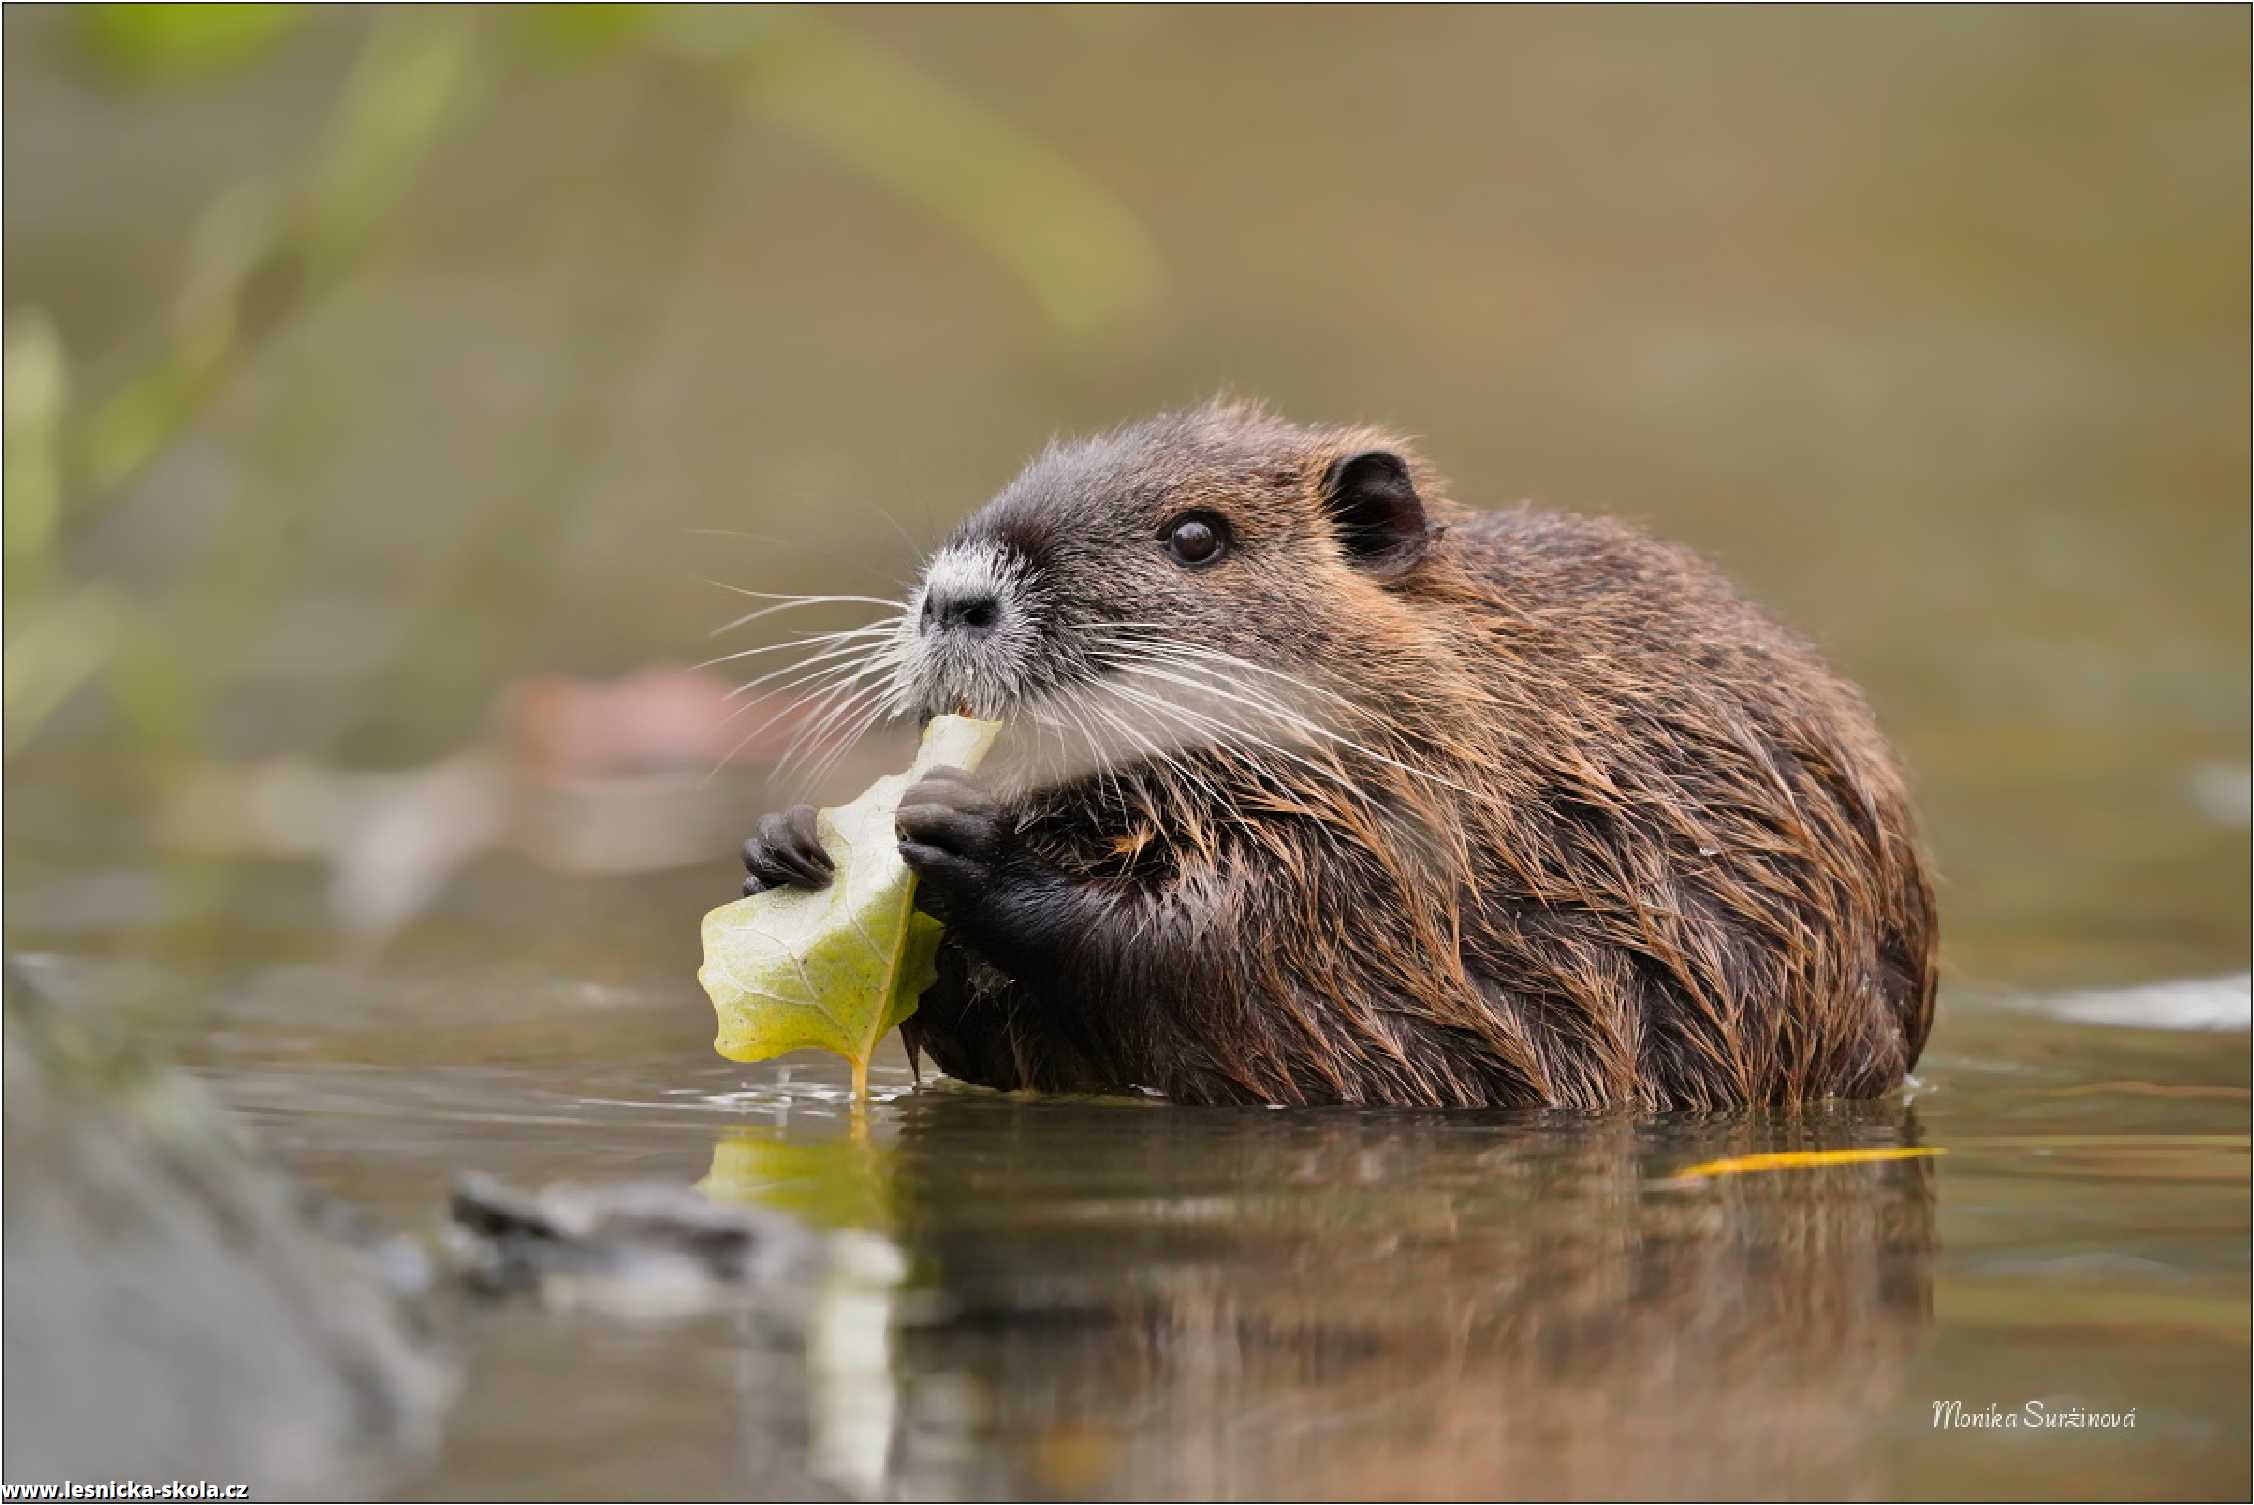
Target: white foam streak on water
2210, 1003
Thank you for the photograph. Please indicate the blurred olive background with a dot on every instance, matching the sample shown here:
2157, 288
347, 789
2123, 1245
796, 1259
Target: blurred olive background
392, 396
362, 363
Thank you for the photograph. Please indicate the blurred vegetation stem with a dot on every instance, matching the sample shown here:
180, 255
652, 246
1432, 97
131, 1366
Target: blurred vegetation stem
262, 267
260, 264
1077, 248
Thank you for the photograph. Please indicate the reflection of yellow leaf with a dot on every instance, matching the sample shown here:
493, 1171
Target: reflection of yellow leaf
832, 1183
1071, 1461
1793, 1160
835, 967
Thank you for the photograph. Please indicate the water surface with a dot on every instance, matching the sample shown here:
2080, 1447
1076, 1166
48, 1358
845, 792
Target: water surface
1118, 1298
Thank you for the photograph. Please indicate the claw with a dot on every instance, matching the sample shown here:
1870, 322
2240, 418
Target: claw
787, 852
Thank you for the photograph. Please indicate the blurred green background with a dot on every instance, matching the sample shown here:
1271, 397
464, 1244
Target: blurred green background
362, 363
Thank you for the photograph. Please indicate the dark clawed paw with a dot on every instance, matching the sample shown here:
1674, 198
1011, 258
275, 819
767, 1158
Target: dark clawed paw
787, 853
954, 836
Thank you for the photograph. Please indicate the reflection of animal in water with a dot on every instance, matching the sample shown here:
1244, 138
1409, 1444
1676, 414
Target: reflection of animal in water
1390, 1307
1360, 796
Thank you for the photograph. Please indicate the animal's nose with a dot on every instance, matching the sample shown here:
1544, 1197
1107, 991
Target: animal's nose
974, 611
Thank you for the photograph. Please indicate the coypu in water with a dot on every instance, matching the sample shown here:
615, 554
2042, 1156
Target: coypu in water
1386, 800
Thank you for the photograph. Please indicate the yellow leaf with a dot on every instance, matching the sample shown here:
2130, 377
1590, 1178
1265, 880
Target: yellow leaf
838, 967
1793, 1160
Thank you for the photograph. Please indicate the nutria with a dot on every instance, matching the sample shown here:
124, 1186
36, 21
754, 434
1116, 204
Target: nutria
1383, 800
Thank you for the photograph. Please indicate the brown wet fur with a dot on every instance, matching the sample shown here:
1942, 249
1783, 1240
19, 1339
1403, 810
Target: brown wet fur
1654, 851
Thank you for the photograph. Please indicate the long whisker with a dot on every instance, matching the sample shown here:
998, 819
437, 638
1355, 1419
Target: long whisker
791, 603
1171, 765
1098, 758
1128, 732
816, 737
804, 640
1205, 672
861, 683
846, 656
1176, 648
1043, 773
809, 678
820, 689
821, 709
853, 733
1291, 718
1110, 764
1209, 687
1231, 740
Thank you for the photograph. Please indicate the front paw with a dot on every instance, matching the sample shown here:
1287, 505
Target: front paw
955, 838
787, 853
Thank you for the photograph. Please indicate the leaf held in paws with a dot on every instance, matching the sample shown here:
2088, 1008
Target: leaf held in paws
837, 967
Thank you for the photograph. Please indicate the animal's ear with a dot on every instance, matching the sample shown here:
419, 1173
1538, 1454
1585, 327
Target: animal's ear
1374, 507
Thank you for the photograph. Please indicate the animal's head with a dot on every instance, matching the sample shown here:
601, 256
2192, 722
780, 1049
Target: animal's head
1219, 551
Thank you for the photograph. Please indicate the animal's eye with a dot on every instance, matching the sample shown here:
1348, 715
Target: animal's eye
1197, 538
